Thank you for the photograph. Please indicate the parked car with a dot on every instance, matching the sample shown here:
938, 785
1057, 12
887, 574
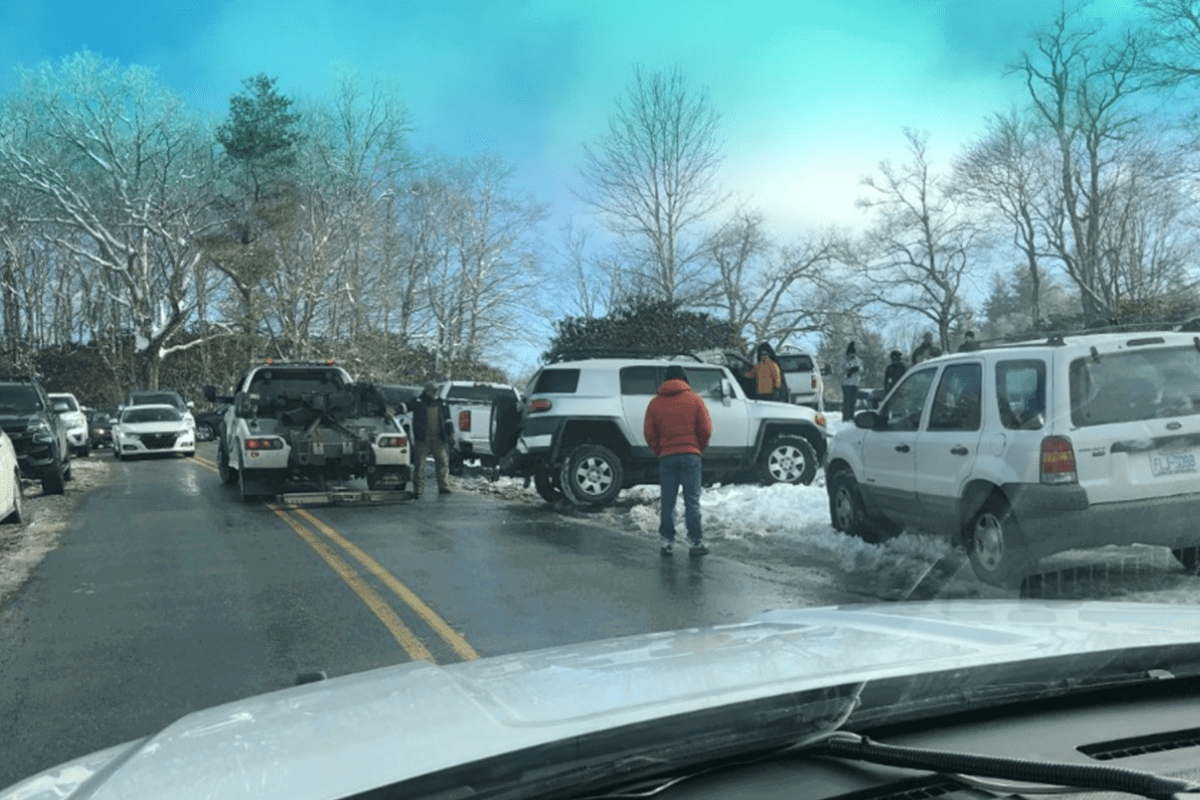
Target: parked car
76, 422
208, 423
1023, 451
152, 429
39, 435
100, 422
148, 397
470, 404
580, 432
12, 495
803, 376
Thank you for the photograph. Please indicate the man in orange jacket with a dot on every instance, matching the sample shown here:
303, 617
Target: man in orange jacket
678, 428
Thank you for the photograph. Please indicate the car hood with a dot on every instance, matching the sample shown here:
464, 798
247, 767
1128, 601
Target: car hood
345, 735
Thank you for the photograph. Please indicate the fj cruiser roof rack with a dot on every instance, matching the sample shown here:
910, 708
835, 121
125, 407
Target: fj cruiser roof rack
1058, 336
583, 354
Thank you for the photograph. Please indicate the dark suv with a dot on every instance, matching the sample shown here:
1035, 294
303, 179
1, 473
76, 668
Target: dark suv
38, 435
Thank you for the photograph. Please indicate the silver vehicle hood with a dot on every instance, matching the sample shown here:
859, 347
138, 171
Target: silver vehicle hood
350, 734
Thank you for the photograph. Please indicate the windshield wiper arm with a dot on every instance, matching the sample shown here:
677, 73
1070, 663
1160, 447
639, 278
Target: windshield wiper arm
1084, 776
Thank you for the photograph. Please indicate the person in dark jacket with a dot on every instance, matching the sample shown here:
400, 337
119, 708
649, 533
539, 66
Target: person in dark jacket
677, 428
894, 372
969, 344
432, 431
926, 349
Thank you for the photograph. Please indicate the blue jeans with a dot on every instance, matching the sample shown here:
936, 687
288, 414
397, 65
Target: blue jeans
673, 472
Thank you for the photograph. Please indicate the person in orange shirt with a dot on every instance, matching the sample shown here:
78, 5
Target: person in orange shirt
677, 428
768, 379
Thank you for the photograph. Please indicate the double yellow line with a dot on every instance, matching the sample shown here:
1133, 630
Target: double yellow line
412, 645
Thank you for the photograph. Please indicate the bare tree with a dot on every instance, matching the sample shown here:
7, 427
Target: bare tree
653, 178
771, 293
919, 250
124, 172
1082, 91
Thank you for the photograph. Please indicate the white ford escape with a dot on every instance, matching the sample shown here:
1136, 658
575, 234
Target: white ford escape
1026, 450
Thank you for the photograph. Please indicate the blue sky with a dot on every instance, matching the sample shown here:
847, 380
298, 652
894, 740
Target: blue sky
812, 94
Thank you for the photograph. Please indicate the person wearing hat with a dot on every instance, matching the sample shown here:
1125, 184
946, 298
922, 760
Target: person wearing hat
894, 372
677, 428
852, 369
926, 349
431, 432
969, 344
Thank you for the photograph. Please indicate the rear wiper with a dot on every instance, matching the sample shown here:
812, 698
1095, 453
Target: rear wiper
1082, 776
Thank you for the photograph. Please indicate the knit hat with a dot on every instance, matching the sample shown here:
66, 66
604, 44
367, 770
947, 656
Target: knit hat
896, 355
675, 372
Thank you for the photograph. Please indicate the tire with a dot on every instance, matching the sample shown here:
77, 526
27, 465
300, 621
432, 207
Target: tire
204, 432
190, 453
116, 453
592, 475
995, 544
787, 459
83, 451
228, 474
68, 475
241, 479
548, 486
1189, 557
504, 425
17, 515
846, 510
456, 465
54, 479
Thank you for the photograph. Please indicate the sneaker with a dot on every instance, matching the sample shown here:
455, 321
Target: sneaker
698, 550
444, 490
665, 548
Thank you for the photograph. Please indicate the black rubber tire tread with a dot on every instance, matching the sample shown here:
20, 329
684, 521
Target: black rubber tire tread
17, 515
504, 425
605, 462
53, 480
804, 476
228, 474
1006, 563
204, 432
548, 487
846, 510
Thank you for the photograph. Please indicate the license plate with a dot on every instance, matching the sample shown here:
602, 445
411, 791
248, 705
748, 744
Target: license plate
1175, 463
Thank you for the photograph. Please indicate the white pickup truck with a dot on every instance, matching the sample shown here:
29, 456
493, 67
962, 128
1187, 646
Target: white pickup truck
471, 414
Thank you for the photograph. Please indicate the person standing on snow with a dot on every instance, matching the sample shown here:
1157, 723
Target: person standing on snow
852, 368
768, 378
894, 372
677, 428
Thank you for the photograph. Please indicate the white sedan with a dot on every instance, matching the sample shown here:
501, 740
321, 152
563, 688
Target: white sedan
145, 430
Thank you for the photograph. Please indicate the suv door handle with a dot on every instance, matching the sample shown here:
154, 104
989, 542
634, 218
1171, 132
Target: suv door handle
959, 451
901, 448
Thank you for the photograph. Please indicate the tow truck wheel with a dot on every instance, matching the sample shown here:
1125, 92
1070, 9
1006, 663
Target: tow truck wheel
241, 474
228, 473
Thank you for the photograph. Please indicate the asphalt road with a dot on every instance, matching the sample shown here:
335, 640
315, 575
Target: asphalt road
169, 595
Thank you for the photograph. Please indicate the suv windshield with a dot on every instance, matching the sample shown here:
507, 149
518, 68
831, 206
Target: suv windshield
19, 397
157, 399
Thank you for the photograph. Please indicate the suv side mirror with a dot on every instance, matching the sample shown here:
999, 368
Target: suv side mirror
242, 406
727, 388
210, 392
868, 420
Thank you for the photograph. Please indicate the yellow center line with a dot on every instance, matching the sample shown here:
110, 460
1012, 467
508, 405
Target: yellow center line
464, 650
204, 462
406, 639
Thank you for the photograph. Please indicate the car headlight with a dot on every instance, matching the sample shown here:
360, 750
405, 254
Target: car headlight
39, 426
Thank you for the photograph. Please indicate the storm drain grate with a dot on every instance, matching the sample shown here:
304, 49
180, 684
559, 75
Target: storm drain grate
911, 789
1141, 745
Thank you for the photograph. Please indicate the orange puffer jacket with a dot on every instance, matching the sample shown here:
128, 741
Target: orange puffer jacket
677, 421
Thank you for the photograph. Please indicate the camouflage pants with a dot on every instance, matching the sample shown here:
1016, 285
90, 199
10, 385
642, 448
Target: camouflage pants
422, 451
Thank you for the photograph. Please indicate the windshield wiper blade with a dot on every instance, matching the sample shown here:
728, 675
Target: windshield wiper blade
1084, 776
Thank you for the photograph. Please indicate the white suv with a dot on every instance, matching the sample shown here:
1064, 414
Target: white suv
1026, 450
580, 434
76, 420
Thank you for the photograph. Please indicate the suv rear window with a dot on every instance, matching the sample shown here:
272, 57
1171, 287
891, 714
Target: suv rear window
795, 363
480, 394
1135, 385
557, 381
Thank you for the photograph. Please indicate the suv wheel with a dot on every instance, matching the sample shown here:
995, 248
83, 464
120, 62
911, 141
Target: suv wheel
846, 511
53, 479
787, 459
592, 475
995, 544
547, 485
228, 473
204, 432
